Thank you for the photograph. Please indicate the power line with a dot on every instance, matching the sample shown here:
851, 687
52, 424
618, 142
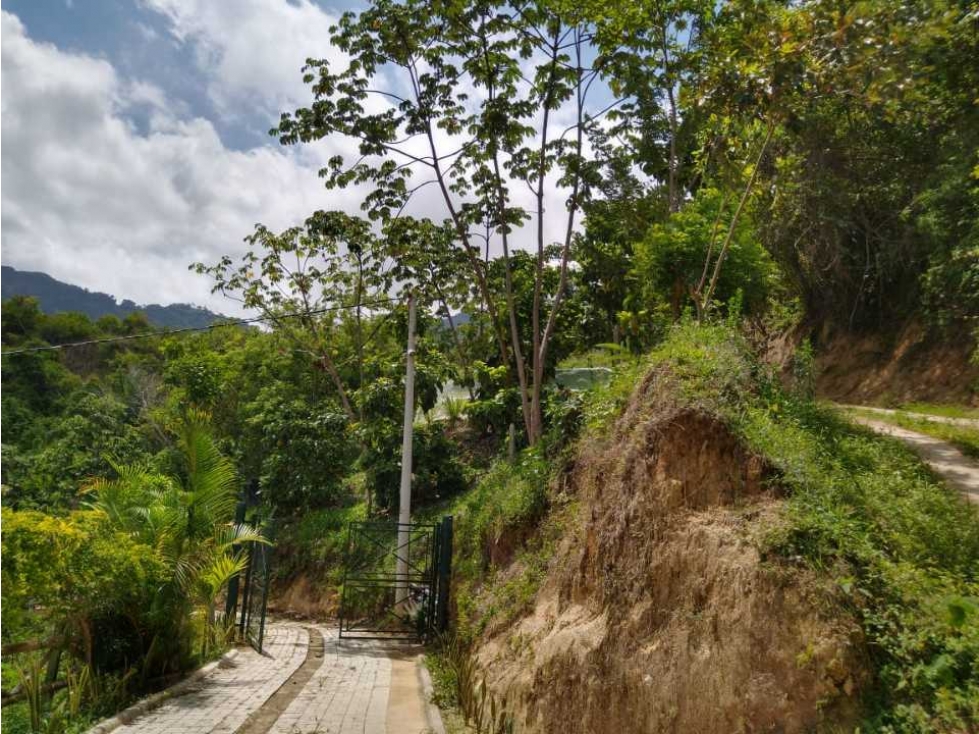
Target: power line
209, 327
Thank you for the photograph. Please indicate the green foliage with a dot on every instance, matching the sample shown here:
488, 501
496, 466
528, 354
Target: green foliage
317, 541
307, 450
76, 566
905, 548
198, 375
437, 472
497, 402
129, 586
506, 503
601, 355
454, 408
54, 455
875, 204
458, 685
963, 438
804, 371
670, 262
604, 256
949, 411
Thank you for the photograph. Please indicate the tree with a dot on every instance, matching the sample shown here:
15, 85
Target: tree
604, 253
314, 272
186, 518
671, 262
486, 99
654, 57
875, 125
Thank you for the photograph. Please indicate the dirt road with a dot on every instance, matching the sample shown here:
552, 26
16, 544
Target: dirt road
945, 460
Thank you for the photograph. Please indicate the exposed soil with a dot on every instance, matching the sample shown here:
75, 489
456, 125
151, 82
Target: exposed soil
913, 364
659, 612
303, 597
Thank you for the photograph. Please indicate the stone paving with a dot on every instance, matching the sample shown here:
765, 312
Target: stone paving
224, 699
351, 691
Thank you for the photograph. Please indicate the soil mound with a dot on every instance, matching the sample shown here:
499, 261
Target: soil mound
659, 612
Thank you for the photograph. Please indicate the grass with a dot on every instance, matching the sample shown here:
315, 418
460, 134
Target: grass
964, 439
510, 498
946, 411
902, 548
863, 511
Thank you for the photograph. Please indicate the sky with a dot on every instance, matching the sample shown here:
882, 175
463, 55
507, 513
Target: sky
135, 138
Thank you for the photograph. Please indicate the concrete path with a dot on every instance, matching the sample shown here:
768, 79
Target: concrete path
222, 701
332, 686
961, 422
362, 687
947, 461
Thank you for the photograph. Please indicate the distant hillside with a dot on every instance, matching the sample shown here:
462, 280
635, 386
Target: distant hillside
457, 318
55, 296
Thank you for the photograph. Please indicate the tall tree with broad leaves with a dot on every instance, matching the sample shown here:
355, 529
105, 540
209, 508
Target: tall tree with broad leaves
482, 101
331, 264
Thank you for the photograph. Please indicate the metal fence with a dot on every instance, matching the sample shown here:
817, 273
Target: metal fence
396, 580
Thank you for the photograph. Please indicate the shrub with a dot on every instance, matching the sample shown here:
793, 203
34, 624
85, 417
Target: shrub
71, 572
903, 548
306, 451
437, 472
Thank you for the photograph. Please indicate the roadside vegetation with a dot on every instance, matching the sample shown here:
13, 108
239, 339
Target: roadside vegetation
965, 439
729, 175
901, 549
948, 411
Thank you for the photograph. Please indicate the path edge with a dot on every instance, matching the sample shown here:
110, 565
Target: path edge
432, 712
145, 705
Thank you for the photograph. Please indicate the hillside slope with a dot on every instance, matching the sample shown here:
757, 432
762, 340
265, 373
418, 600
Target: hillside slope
910, 363
723, 556
55, 296
663, 592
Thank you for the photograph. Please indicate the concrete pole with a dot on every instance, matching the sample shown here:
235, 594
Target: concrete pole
404, 514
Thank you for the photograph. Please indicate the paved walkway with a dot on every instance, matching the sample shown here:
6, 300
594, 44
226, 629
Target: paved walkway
347, 687
961, 422
221, 702
947, 461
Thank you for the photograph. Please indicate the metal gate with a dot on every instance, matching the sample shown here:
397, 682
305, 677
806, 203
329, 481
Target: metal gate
254, 602
396, 580
253, 587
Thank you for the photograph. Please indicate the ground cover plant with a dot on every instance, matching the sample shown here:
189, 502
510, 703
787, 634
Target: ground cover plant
902, 549
965, 439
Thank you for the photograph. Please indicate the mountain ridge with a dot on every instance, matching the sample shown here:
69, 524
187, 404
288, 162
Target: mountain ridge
56, 296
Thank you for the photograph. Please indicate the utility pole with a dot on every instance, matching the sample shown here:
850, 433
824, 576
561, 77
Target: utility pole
404, 514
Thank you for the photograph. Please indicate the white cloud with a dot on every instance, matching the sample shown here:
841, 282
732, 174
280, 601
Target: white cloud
92, 200
96, 200
251, 51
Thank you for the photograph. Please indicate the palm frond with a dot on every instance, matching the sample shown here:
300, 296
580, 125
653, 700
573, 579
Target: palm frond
226, 536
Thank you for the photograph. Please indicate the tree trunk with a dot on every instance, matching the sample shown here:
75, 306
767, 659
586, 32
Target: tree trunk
737, 215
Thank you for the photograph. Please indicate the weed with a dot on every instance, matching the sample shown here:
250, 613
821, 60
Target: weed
458, 684
964, 439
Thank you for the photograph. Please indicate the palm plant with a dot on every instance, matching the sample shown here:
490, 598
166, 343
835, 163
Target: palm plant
186, 518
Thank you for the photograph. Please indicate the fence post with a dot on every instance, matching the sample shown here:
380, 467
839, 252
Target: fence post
444, 573
231, 604
245, 601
